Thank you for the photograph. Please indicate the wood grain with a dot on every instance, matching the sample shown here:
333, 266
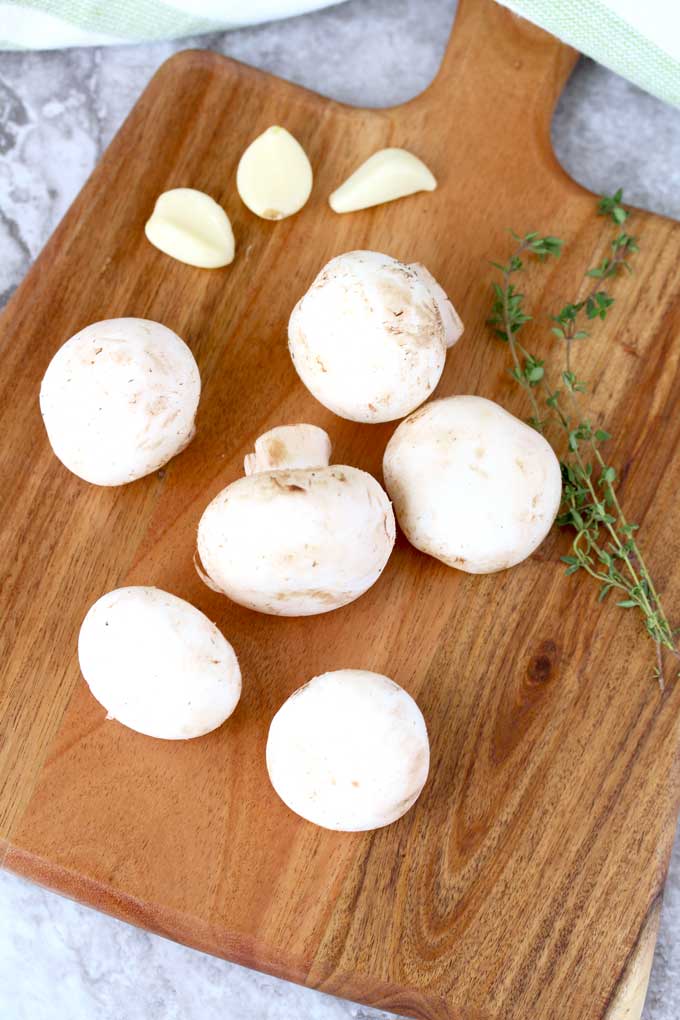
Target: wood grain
522, 883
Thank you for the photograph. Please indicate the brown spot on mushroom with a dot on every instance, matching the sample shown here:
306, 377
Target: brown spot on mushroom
413, 418
355, 782
118, 356
171, 417
372, 407
395, 292
285, 486
423, 328
326, 598
479, 452
276, 450
520, 464
158, 405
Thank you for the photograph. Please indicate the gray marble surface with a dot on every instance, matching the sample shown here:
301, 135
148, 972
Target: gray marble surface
58, 110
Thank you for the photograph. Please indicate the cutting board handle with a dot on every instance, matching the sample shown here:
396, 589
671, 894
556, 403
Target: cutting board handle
500, 77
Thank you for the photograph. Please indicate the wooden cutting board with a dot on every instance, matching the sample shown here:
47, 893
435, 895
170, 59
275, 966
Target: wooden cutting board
526, 882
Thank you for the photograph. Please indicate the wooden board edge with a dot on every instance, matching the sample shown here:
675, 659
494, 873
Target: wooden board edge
629, 995
177, 926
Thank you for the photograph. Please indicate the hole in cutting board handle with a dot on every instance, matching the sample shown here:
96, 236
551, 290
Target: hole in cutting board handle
497, 87
607, 133
616, 145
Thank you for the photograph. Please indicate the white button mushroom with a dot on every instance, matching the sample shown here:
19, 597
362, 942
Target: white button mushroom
369, 338
349, 751
471, 484
296, 537
157, 664
119, 400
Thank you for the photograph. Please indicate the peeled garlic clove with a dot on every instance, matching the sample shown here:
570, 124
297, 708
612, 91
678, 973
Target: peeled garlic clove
386, 175
191, 227
274, 176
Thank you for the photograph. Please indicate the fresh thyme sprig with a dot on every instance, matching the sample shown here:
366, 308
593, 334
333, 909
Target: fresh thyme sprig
604, 543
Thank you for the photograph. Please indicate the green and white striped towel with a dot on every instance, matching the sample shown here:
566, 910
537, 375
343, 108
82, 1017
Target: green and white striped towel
53, 24
639, 39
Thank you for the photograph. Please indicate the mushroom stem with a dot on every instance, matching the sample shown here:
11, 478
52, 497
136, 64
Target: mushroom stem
453, 326
288, 447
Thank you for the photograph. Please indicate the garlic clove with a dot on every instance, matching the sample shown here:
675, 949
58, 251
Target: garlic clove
191, 227
274, 176
386, 175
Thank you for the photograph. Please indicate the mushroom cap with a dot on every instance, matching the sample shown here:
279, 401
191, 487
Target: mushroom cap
119, 400
471, 484
157, 664
297, 542
349, 751
369, 337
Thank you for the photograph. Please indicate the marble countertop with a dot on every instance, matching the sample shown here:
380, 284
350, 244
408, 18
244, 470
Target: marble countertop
58, 111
